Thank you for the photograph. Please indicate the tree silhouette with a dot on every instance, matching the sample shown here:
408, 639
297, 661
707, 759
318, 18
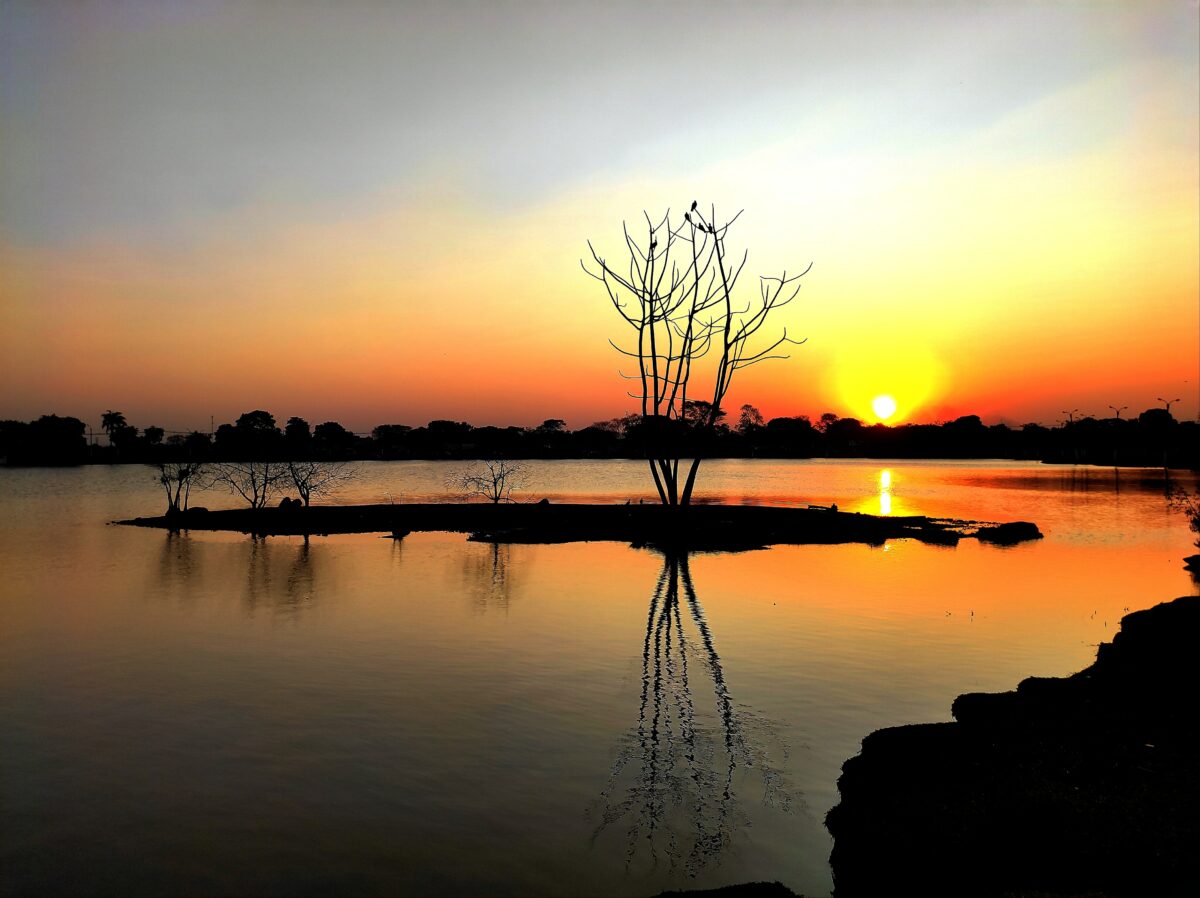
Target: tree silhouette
490, 479
680, 310
111, 422
254, 481
297, 434
749, 420
177, 479
124, 437
318, 478
1187, 504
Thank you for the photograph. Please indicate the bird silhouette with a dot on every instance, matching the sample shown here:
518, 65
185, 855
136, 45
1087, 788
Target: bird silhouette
693, 205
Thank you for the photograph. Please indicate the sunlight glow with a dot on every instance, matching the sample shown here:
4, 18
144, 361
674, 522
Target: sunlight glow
884, 407
885, 492
873, 371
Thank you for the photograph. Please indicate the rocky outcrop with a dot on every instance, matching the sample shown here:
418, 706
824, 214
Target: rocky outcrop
1008, 534
1087, 785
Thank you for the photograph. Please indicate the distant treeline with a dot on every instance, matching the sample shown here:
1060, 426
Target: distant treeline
1153, 438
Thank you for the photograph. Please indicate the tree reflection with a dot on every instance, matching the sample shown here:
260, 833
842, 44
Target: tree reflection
258, 571
178, 570
675, 783
299, 588
488, 575
292, 593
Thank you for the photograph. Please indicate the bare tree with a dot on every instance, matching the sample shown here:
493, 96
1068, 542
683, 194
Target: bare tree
490, 479
254, 481
319, 478
177, 479
1188, 504
680, 310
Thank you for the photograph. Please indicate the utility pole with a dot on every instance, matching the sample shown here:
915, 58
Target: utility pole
1167, 405
1116, 438
1070, 422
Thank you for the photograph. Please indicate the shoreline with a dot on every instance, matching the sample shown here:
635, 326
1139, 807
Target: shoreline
1081, 785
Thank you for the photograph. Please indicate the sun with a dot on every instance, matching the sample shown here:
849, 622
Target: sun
884, 407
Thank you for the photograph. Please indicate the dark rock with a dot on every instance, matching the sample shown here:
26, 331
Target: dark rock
936, 537
197, 509
1083, 785
1008, 534
742, 890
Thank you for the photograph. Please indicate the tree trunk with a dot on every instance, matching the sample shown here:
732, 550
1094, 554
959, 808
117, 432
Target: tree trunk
691, 482
658, 485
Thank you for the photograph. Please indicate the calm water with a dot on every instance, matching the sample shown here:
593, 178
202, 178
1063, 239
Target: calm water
210, 714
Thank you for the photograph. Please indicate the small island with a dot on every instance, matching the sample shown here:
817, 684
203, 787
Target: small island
694, 528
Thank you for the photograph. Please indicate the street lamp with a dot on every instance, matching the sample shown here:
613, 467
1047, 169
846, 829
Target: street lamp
1070, 415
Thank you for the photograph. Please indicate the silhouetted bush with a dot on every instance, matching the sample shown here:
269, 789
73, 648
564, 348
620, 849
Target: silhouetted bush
50, 440
1154, 438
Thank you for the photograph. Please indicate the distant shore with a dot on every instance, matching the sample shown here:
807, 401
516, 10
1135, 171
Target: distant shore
1153, 438
698, 527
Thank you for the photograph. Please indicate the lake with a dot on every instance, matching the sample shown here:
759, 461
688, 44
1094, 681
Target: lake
211, 714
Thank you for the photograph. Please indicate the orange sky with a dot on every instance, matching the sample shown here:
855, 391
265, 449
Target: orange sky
1000, 208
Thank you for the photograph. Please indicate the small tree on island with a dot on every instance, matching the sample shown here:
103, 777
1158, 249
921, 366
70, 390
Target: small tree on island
490, 479
680, 311
177, 479
254, 481
319, 478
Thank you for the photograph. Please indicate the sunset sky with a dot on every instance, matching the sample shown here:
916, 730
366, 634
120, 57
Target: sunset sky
375, 212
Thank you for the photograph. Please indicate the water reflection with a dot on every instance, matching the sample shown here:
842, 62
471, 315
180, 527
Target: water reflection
679, 772
279, 575
269, 572
1074, 479
488, 576
177, 566
885, 492
299, 588
258, 573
